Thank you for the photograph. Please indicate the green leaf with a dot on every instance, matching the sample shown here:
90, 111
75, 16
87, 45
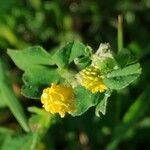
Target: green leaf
37, 78
35, 61
68, 53
129, 70
121, 78
29, 57
8, 96
31, 91
84, 100
40, 74
123, 57
102, 106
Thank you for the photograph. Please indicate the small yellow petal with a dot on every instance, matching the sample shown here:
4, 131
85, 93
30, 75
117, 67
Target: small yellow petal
91, 79
58, 99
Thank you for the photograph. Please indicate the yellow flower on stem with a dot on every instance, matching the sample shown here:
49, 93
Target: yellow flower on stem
58, 99
91, 79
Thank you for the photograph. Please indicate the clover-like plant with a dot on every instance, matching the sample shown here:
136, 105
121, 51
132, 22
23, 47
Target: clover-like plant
75, 77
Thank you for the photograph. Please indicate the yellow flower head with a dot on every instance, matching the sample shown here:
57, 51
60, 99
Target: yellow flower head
91, 79
58, 99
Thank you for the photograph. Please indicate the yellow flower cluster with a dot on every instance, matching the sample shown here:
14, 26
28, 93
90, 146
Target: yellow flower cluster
91, 79
58, 99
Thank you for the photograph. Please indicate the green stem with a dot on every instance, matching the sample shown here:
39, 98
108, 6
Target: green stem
120, 32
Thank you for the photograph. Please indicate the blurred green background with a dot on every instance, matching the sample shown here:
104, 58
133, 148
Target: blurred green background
53, 23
